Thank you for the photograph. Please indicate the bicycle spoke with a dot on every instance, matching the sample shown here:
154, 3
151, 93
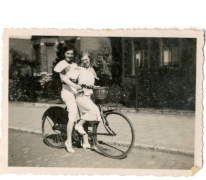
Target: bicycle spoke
121, 142
54, 134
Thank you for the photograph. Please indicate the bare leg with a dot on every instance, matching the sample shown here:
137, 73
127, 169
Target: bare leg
69, 135
85, 143
79, 127
81, 122
72, 109
85, 139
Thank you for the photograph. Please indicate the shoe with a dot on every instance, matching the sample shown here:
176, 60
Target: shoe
86, 146
68, 148
94, 147
80, 129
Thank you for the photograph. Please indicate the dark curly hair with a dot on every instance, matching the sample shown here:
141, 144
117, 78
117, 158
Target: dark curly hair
69, 46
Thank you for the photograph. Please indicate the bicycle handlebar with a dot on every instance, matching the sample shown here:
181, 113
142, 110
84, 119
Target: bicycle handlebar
88, 87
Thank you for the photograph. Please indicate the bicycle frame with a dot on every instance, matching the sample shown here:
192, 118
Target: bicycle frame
94, 129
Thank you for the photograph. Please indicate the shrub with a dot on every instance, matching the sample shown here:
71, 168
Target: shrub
166, 88
24, 85
121, 94
50, 87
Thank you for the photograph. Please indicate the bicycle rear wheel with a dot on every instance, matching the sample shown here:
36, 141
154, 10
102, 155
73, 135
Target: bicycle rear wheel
116, 138
54, 133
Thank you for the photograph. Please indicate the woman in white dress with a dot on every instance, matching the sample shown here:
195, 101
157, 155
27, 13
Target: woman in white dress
68, 91
88, 110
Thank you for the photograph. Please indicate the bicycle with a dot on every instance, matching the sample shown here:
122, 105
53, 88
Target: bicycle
114, 136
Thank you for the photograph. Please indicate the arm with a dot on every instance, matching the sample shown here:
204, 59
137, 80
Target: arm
69, 82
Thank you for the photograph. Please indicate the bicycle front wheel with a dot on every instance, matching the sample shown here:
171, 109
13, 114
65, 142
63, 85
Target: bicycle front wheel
116, 138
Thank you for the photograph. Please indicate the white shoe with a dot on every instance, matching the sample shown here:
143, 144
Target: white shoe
86, 146
69, 148
80, 129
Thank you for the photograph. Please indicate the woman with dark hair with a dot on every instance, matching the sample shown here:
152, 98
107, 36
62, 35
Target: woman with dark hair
69, 89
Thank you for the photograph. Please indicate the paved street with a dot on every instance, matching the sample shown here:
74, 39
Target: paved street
167, 132
28, 150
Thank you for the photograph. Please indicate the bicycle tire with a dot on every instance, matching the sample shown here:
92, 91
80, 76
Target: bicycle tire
121, 144
54, 133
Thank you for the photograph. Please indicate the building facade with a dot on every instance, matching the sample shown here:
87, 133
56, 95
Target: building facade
43, 49
161, 70
145, 53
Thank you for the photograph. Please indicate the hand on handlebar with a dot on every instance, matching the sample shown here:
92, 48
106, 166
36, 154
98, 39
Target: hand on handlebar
78, 87
89, 87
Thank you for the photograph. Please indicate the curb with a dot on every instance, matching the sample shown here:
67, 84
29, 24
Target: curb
26, 130
164, 149
121, 109
139, 146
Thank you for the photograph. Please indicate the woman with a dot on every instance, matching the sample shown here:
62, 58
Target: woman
68, 91
88, 110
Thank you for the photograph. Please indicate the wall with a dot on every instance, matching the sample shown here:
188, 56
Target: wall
94, 44
48, 48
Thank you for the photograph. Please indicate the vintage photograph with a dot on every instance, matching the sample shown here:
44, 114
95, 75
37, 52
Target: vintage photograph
103, 101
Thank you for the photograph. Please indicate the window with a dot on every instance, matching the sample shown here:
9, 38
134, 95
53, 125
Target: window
142, 58
142, 52
167, 57
171, 56
138, 58
171, 52
37, 56
50, 56
176, 56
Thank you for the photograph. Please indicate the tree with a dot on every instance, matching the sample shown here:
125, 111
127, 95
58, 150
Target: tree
102, 65
20, 60
18, 82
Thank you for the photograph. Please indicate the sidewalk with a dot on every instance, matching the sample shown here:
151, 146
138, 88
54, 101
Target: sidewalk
168, 133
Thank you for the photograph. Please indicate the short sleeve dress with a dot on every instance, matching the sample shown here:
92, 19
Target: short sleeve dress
88, 110
68, 70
